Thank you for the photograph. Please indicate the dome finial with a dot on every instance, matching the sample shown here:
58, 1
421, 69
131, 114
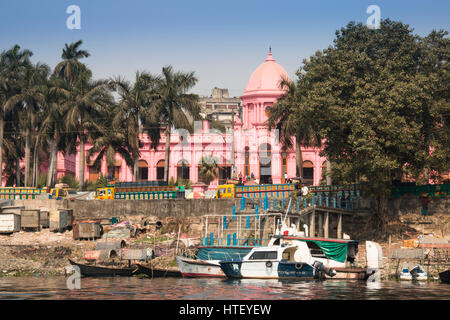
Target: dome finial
270, 49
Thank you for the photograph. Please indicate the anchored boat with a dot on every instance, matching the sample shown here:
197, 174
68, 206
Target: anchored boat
416, 273
276, 262
206, 262
103, 271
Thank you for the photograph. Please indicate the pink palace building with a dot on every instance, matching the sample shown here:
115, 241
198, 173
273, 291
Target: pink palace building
250, 148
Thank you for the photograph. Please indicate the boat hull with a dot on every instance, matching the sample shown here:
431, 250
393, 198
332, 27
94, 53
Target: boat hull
158, 273
264, 270
99, 271
349, 274
199, 268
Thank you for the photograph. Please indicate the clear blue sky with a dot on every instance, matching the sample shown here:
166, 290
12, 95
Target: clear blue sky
222, 41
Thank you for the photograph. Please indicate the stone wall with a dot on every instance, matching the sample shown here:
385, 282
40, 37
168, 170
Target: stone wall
119, 208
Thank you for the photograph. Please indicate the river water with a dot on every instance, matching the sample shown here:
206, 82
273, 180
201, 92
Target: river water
135, 288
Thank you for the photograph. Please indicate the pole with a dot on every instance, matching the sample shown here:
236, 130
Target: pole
179, 230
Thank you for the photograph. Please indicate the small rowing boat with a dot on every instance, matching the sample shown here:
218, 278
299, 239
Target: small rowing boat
88, 270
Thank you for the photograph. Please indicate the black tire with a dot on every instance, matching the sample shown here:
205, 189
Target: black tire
298, 266
269, 264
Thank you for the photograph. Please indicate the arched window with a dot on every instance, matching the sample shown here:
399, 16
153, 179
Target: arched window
247, 162
142, 170
183, 170
308, 172
94, 173
283, 166
265, 163
160, 170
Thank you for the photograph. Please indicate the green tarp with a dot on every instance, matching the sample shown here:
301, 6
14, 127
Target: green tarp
333, 250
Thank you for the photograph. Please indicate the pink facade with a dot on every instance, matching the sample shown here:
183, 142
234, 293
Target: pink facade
250, 148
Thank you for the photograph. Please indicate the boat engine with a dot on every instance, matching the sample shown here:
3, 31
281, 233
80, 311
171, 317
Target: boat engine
414, 272
320, 268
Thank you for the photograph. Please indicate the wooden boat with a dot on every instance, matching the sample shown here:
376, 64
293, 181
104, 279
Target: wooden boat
88, 270
206, 262
157, 272
445, 276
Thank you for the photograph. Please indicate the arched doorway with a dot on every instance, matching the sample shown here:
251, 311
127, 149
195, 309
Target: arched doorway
142, 170
308, 173
224, 173
160, 170
265, 164
183, 170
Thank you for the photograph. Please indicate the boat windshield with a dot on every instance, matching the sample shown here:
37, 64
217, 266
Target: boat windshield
263, 255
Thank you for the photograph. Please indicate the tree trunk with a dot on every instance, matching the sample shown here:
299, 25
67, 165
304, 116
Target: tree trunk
27, 158
51, 162
2, 125
35, 163
55, 165
81, 163
299, 159
167, 153
329, 181
17, 172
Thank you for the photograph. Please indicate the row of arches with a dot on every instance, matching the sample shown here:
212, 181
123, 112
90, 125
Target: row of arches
184, 169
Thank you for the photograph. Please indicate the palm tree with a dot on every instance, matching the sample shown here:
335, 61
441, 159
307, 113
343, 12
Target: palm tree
70, 68
29, 101
133, 109
172, 107
84, 102
287, 117
208, 169
13, 65
110, 140
53, 135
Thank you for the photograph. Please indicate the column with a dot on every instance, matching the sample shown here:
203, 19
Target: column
325, 224
321, 224
339, 226
312, 224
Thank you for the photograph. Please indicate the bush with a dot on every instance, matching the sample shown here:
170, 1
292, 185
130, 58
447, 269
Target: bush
101, 182
71, 181
41, 181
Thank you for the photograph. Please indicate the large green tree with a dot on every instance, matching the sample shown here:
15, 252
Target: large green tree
378, 110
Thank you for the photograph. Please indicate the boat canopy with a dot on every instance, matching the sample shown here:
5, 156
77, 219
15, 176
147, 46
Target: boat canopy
222, 253
332, 250
335, 249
